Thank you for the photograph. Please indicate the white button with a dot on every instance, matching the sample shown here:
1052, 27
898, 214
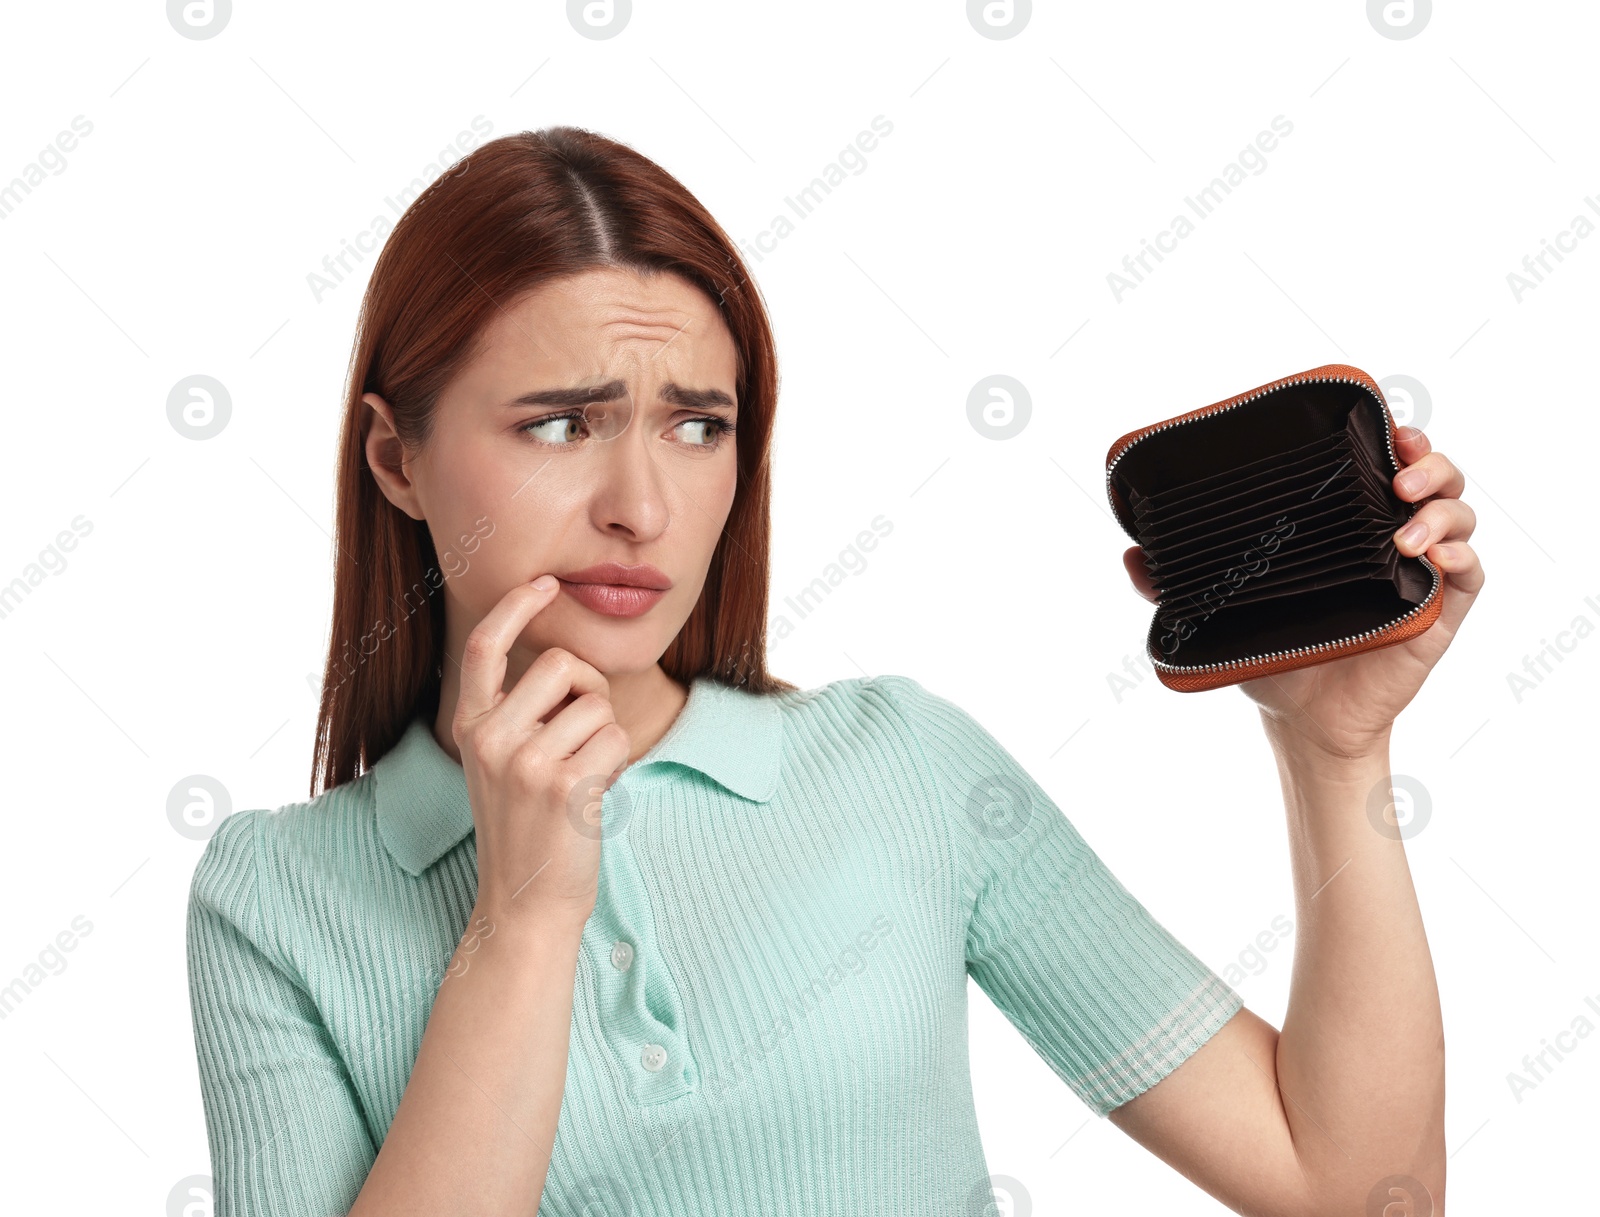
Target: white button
653, 1057
621, 956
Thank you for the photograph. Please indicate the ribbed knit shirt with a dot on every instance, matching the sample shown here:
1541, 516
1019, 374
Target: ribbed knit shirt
770, 1002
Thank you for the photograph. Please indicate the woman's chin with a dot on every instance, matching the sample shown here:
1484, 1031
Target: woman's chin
607, 652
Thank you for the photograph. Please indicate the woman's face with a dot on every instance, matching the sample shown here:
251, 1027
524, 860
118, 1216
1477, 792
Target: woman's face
594, 426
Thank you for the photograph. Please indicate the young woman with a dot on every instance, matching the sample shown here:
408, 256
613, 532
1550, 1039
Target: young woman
592, 913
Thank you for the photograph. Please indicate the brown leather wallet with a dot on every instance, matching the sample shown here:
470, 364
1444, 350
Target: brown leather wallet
1267, 522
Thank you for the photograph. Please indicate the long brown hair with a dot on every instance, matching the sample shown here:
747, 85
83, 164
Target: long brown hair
517, 212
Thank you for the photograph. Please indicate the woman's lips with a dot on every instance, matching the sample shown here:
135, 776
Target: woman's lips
613, 599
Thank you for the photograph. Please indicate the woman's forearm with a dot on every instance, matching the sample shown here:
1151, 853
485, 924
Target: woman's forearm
475, 1128
1360, 1059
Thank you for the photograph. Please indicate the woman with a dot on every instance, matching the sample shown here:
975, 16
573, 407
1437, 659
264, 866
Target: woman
595, 914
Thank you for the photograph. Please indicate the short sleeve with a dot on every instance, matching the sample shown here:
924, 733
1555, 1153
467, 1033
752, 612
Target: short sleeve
1102, 991
285, 1131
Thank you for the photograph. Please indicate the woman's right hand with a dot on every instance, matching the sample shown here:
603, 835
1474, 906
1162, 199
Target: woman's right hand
536, 765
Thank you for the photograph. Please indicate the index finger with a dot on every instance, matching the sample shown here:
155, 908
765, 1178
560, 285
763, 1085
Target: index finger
483, 658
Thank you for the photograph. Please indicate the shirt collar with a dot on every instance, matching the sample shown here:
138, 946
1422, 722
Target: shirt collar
731, 735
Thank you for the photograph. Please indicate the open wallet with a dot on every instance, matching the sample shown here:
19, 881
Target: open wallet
1267, 522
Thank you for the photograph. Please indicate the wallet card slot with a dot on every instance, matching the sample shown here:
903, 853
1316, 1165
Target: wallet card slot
1362, 439
1311, 581
1302, 502
1378, 483
1243, 530
1252, 593
1272, 550
1261, 486
1298, 553
1358, 521
1357, 560
1165, 505
1170, 495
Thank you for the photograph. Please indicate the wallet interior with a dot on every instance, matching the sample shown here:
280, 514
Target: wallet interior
1270, 525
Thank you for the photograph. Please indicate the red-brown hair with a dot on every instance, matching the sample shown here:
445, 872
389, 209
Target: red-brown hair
512, 215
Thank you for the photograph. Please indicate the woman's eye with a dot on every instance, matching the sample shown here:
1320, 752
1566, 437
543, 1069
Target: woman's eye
566, 430
558, 429
696, 436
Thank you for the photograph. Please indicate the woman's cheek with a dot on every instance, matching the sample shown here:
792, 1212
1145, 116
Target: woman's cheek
453, 564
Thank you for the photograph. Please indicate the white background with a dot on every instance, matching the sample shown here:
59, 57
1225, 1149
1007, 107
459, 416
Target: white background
977, 240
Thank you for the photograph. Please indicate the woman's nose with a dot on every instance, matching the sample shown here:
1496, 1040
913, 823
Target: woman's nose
630, 489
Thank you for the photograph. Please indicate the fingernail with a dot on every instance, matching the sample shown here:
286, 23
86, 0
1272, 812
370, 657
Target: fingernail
1413, 532
1413, 480
1408, 433
544, 582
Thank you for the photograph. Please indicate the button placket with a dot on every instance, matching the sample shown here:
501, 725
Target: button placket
620, 940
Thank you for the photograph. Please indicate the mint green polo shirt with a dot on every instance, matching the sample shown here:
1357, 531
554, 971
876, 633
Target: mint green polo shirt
770, 1003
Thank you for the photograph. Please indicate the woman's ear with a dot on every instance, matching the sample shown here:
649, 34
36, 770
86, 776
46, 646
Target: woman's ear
386, 456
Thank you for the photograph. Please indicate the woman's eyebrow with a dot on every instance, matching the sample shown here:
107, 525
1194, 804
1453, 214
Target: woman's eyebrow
614, 390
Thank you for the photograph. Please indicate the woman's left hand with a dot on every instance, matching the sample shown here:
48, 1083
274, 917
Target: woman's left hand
1346, 707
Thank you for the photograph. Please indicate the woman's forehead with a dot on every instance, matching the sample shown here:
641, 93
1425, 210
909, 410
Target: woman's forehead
612, 297
589, 338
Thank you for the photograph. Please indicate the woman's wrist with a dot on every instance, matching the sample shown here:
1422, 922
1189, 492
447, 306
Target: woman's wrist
495, 914
1307, 749
495, 942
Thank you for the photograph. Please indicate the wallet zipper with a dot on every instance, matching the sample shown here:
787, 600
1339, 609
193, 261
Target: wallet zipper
1349, 639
